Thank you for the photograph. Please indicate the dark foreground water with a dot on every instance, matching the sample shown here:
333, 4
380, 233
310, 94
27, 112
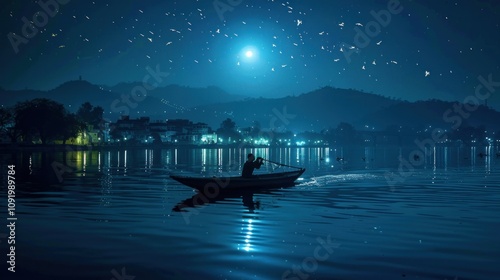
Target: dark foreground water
118, 215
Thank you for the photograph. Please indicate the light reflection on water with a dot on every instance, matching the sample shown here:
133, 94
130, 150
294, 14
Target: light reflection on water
119, 209
231, 159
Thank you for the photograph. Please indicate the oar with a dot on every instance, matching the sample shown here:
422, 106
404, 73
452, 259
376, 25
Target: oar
281, 164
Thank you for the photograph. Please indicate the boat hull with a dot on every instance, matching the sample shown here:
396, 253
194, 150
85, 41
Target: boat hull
256, 182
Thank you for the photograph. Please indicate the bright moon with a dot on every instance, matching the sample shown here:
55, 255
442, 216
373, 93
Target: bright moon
249, 54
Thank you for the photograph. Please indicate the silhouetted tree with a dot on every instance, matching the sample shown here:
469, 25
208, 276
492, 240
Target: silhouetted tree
228, 130
6, 120
41, 118
71, 127
8, 124
91, 115
228, 125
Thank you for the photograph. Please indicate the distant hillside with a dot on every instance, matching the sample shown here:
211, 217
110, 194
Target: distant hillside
181, 95
77, 92
118, 100
317, 110
310, 111
431, 112
327, 107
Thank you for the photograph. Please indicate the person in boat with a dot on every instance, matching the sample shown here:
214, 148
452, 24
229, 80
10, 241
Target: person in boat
250, 165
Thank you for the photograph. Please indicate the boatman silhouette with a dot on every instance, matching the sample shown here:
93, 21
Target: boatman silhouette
250, 165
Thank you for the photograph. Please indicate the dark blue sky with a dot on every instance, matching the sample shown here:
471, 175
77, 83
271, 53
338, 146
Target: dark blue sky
428, 49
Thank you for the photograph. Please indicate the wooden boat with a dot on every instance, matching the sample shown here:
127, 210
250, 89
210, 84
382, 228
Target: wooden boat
256, 182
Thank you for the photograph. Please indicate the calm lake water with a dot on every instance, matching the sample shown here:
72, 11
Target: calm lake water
118, 215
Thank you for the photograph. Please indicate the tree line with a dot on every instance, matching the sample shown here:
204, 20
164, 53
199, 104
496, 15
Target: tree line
45, 120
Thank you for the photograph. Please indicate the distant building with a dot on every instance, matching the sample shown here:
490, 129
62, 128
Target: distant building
178, 125
199, 128
187, 132
133, 129
180, 131
159, 131
105, 132
209, 138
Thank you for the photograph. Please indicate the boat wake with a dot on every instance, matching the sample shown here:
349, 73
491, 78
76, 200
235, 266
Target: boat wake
324, 180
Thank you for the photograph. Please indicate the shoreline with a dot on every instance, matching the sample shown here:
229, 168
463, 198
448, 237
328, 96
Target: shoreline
71, 148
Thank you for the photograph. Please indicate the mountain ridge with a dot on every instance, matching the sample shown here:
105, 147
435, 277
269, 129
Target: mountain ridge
316, 110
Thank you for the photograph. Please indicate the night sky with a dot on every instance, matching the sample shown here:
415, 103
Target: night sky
427, 49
